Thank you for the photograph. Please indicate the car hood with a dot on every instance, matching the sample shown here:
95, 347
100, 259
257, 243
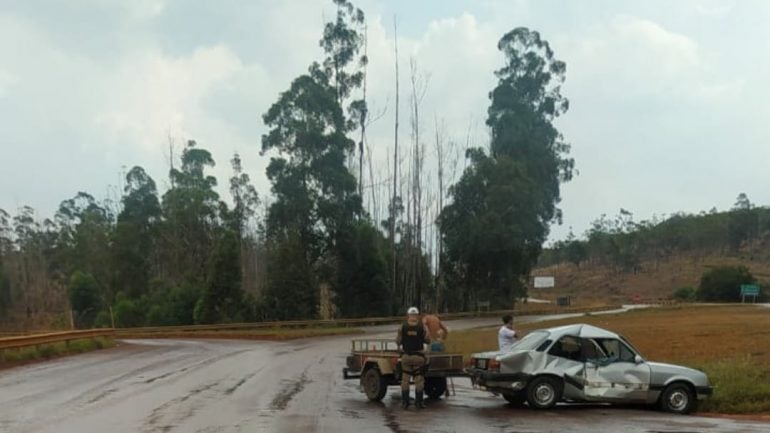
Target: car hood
664, 373
662, 367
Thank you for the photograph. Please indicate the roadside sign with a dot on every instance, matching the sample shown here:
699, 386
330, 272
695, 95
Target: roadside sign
749, 290
544, 282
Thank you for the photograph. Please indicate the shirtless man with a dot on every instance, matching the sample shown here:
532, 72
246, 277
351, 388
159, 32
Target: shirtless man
437, 331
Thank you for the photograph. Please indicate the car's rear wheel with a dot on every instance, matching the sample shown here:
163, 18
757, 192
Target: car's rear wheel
543, 392
375, 385
515, 398
678, 398
435, 387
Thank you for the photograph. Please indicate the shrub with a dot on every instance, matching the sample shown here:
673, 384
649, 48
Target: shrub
103, 320
723, 283
127, 314
5, 289
685, 294
155, 316
84, 298
46, 351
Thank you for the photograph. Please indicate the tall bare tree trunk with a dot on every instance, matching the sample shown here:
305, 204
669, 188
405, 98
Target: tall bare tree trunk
419, 88
363, 124
393, 210
440, 206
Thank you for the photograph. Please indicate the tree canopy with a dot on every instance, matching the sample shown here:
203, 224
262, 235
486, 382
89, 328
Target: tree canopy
182, 250
506, 199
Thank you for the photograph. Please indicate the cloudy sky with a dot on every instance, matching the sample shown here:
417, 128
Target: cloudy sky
669, 100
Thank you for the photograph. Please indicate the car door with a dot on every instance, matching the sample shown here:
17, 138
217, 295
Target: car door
565, 360
612, 372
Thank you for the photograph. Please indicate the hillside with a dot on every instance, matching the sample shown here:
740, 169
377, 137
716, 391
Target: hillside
651, 280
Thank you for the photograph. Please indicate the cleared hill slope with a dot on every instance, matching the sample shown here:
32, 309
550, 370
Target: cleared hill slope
652, 280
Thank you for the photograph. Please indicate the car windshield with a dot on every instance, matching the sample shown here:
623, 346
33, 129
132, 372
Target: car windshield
530, 341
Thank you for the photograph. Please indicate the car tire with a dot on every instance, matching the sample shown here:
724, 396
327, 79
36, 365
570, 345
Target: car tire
543, 392
516, 399
678, 398
374, 384
435, 387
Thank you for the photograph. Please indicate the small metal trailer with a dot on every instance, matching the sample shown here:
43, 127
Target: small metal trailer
377, 364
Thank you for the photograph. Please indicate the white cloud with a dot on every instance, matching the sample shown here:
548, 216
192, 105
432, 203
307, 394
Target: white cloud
713, 8
636, 58
153, 95
7, 80
653, 90
144, 9
673, 52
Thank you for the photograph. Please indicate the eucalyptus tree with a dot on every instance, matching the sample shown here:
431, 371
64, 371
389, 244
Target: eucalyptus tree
507, 197
313, 218
191, 215
135, 241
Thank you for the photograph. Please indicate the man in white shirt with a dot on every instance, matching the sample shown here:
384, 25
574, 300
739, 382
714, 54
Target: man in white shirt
506, 336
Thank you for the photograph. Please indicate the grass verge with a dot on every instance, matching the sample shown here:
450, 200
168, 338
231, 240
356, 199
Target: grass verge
741, 386
12, 357
730, 343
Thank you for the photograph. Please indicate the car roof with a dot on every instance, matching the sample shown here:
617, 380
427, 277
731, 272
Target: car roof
581, 330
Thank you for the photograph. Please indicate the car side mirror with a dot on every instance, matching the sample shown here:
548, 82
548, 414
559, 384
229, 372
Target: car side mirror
638, 359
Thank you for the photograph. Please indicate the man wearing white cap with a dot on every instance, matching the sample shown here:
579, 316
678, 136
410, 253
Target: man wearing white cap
412, 338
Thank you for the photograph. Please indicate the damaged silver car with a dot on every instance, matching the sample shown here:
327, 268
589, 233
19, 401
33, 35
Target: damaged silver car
583, 363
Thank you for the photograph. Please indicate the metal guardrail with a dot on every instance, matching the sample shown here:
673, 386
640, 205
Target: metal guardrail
148, 331
53, 337
19, 341
260, 325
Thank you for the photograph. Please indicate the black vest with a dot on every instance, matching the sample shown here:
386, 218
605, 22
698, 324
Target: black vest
412, 337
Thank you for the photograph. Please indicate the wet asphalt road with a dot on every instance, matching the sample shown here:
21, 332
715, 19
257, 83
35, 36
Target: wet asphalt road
246, 386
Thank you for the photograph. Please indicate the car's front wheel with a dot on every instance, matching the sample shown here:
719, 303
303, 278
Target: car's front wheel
543, 392
678, 398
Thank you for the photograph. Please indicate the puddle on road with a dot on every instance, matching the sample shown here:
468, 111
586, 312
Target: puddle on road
243, 380
101, 395
282, 399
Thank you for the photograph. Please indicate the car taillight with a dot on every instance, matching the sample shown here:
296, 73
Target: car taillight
493, 364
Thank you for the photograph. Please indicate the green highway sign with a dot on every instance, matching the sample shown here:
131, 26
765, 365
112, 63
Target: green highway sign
749, 290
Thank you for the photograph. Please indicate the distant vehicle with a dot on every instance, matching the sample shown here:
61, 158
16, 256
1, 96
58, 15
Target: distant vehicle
376, 363
583, 363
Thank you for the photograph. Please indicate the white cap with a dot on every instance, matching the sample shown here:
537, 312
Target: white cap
412, 310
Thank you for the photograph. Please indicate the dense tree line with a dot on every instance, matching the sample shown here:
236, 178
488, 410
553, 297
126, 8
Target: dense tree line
174, 259
624, 244
188, 255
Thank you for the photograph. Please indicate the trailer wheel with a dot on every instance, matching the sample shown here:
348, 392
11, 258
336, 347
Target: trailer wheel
435, 387
375, 385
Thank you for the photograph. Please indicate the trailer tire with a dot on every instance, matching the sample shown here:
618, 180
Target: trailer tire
374, 384
435, 387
